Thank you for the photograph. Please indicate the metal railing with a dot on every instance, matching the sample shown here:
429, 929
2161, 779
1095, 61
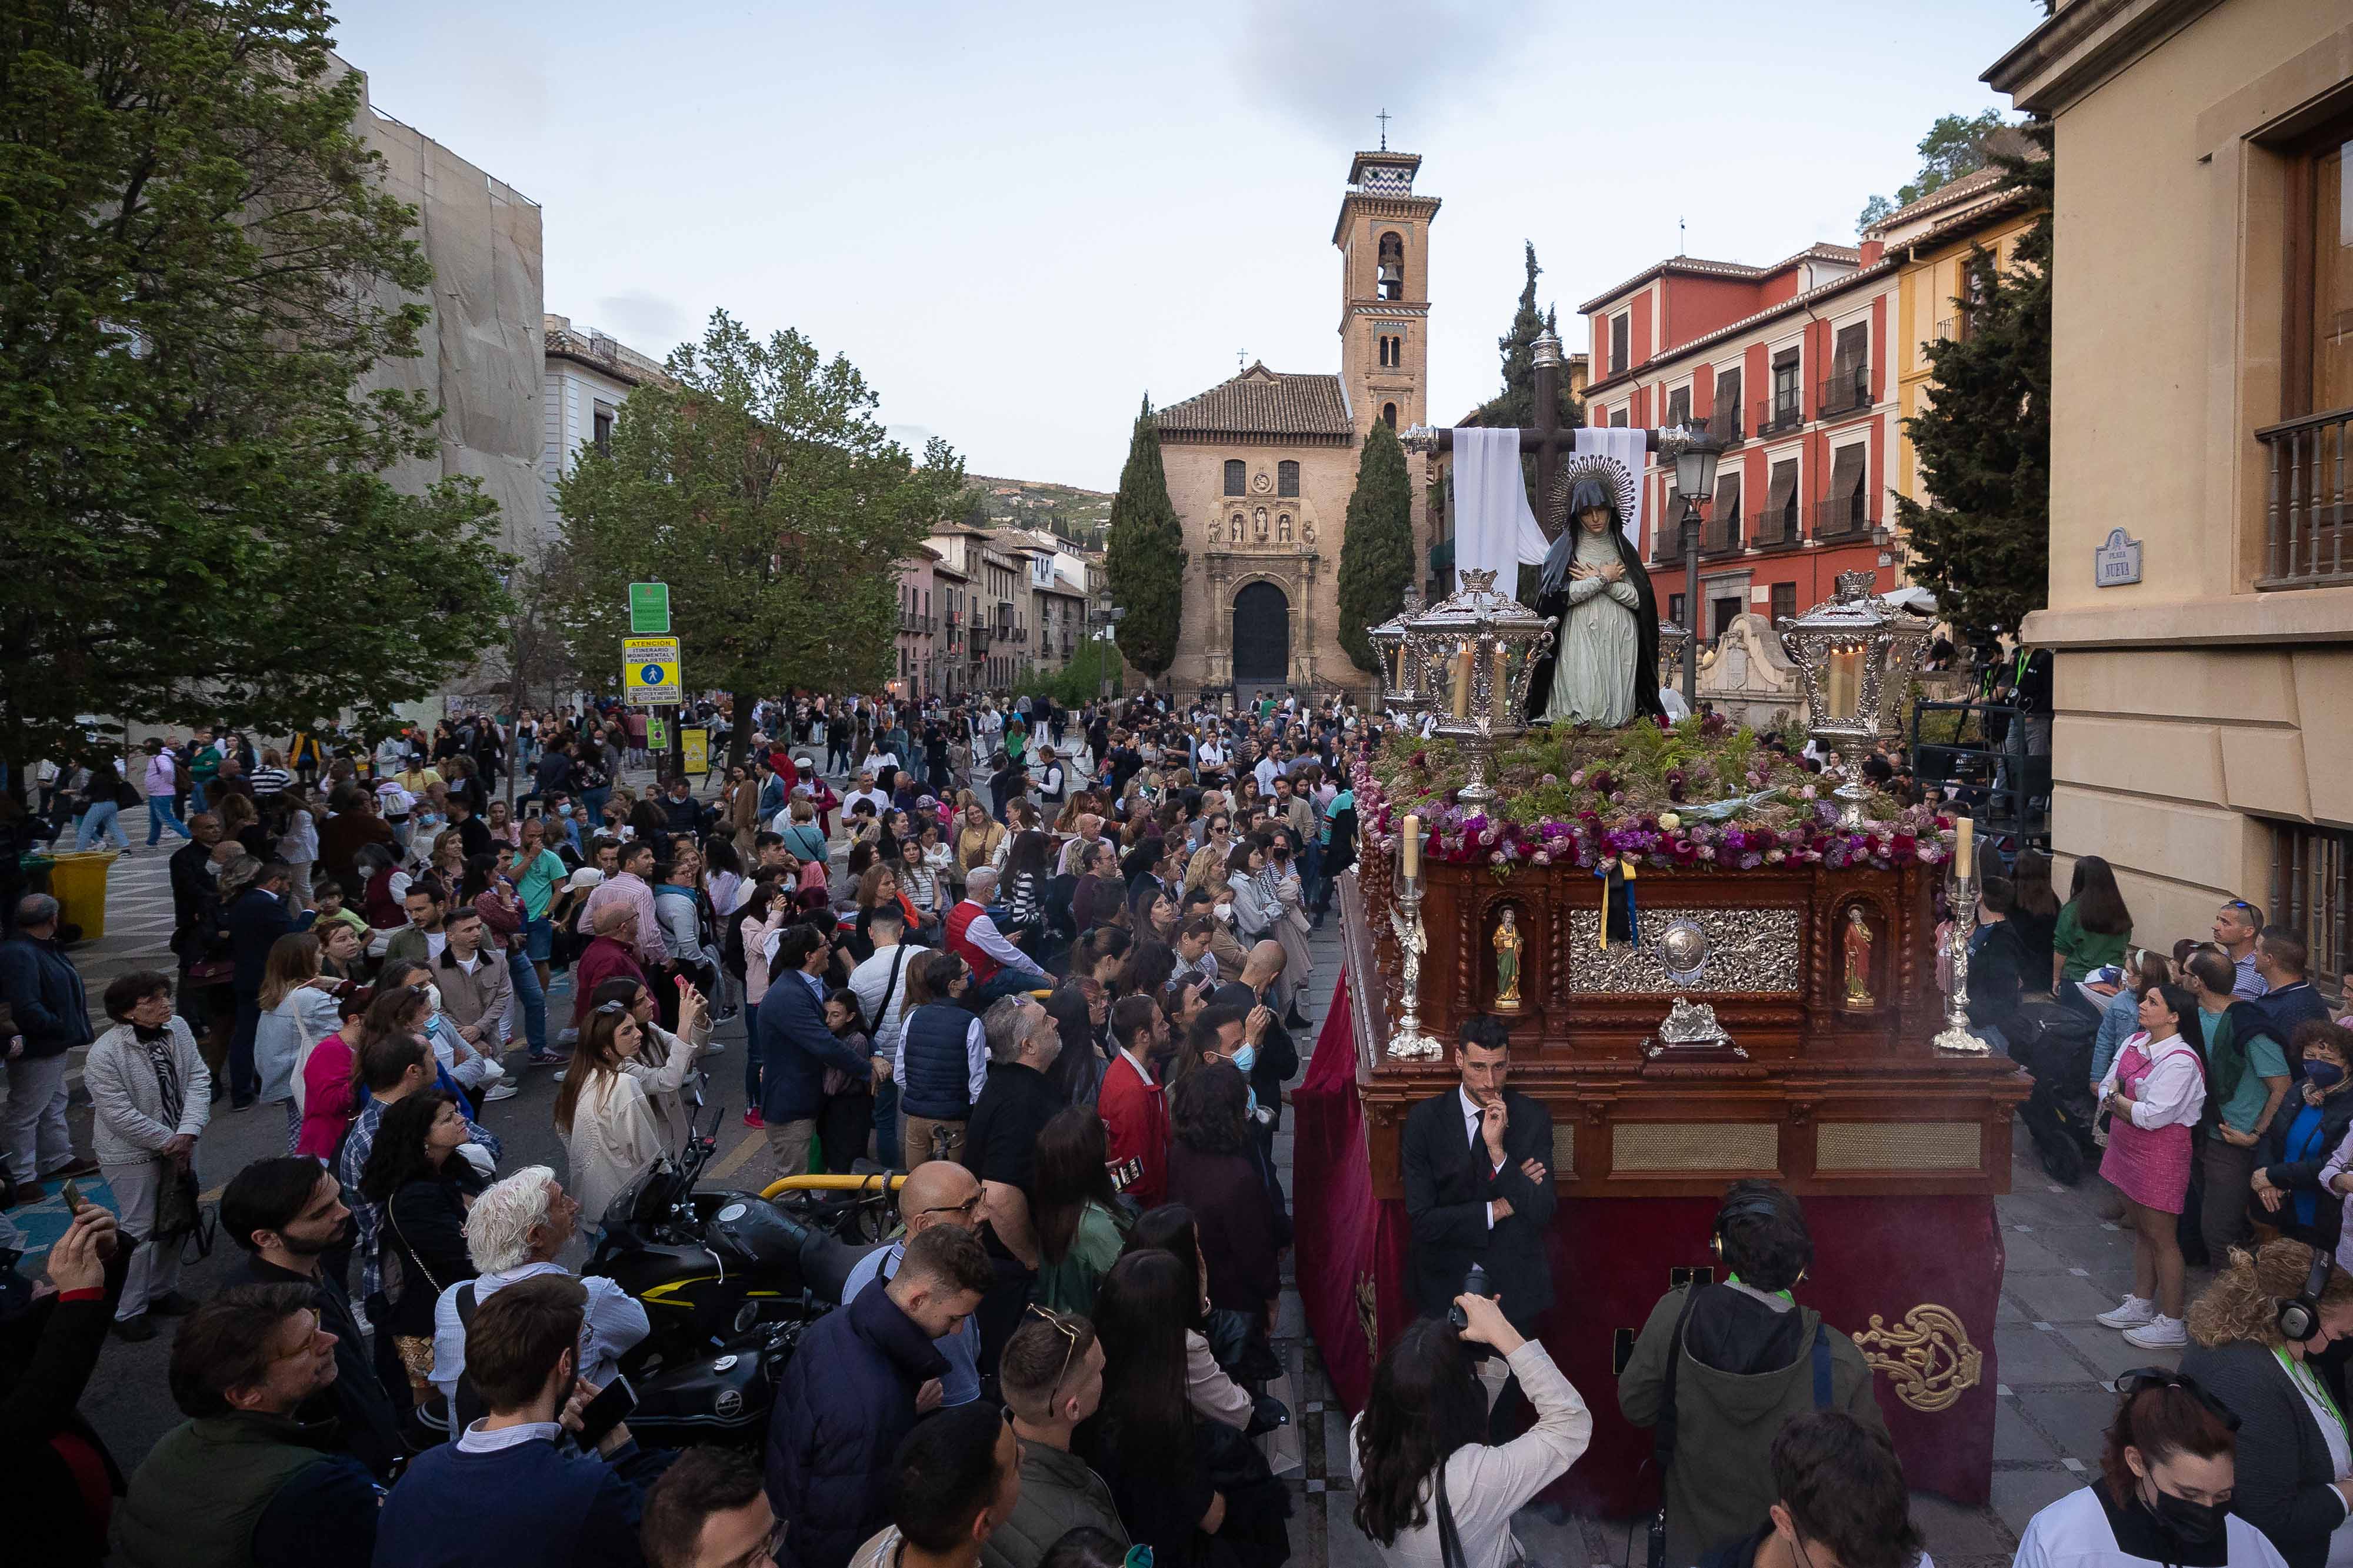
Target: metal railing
2304, 507
1844, 392
1775, 415
1775, 528
1841, 517
1720, 536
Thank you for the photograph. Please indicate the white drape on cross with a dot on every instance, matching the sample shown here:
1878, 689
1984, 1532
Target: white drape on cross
1494, 528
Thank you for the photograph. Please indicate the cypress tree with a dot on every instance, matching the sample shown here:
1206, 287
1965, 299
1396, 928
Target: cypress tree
1376, 544
1982, 540
1145, 555
1516, 404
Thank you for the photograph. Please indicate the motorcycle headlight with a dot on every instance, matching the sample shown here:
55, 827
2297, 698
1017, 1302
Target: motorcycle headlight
746, 1316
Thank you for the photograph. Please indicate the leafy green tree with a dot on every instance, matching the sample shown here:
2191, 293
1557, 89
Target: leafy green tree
198, 264
1376, 545
763, 491
1955, 145
1982, 539
1145, 555
1516, 404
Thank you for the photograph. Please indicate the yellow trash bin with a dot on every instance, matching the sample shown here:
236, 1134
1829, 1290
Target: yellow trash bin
78, 882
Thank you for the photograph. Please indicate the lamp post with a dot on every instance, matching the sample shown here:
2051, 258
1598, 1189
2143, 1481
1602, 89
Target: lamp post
1694, 454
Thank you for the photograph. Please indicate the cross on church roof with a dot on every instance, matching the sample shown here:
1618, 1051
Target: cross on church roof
1384, 118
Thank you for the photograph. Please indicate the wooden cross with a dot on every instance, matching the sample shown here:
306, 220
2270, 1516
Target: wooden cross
1550, 439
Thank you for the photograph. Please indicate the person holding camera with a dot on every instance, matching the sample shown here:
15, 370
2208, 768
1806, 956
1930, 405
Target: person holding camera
1478, 1189
1418, 1455
1720, 1368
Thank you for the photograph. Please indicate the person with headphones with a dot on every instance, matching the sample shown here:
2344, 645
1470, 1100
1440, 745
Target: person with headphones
2256, 1334
1720, 1367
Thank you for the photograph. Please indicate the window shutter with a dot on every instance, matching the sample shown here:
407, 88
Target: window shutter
1621, 331
1727, 402
1679, 407
1726, 504
1781, 493
1846, 484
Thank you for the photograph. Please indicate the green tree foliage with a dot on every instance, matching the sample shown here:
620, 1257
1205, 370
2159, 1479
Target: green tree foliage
1376, 545
767, 495
197, 266
1145, 555
1516, 404
1080, 681
1982, 541
1956, 145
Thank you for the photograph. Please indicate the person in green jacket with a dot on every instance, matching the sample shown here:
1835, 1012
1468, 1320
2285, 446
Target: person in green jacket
1052, 1375
1738, 1359
244, 1482
2095, 927
1075, 1209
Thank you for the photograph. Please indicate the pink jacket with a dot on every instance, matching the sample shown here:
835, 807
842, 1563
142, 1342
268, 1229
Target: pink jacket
326, 1098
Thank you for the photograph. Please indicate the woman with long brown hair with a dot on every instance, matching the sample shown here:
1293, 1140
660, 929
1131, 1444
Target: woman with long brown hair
297, 1011
607, 1124
2154, 1091
2094, 928
1076, 1210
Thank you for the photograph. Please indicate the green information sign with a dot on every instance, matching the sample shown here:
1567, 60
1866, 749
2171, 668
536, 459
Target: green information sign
649, 608
657, 734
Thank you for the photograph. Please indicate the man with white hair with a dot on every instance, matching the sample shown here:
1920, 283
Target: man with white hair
518, 1227
998, 968
1074, 853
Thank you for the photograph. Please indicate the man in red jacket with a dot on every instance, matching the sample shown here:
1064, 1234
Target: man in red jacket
612, 953
1133, 1109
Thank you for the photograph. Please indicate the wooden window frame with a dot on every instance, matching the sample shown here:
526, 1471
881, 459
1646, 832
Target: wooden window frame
2301, 287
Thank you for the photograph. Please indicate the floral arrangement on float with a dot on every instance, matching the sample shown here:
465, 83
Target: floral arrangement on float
1701, 793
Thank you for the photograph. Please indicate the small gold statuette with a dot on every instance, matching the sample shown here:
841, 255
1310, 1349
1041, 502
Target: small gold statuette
1858, 959
1508, 943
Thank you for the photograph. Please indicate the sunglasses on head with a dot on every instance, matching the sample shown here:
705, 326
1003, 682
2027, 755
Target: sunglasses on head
2141, 1379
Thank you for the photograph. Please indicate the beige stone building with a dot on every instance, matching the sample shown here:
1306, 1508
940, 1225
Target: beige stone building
2201, 399
1261, 468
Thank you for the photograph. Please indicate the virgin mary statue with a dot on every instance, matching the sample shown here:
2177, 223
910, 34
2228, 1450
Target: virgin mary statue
1603, 670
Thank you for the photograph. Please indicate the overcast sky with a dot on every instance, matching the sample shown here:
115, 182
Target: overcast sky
1017, 220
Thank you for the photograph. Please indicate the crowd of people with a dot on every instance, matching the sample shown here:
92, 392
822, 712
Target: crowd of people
1068, 1011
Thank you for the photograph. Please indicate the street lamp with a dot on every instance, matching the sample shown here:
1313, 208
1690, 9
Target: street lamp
1693, 454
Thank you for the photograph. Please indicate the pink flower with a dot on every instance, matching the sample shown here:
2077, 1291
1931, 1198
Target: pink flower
1808, 792
1540, 857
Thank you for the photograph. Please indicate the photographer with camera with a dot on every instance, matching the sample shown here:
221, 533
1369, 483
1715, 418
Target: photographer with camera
1477, 1190
1423, 1468
1720, 1368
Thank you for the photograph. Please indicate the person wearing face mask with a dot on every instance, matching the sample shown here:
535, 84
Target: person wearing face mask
2257, 1333
288, 1213
2308, 1131
2167, 1473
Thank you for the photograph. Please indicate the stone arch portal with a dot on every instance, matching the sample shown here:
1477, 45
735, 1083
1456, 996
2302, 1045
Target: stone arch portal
1262, 636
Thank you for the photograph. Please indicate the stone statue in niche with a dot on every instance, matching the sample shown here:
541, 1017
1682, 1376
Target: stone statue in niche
1509, 945
1307, 534
1258, 524
1213, 530
1856, 941
1282, 527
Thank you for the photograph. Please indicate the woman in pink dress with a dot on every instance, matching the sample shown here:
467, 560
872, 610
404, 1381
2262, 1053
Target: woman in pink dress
2154, 1091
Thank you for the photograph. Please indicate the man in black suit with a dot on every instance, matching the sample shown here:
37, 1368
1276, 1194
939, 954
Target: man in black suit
1478, 1188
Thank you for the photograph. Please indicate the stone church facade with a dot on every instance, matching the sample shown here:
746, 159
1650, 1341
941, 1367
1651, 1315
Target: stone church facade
1261, 468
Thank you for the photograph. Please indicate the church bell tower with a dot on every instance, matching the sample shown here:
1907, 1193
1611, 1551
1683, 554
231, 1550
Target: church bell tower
1383, 235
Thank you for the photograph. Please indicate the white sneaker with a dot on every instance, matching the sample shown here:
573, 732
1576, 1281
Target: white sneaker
2137, 1312
503, 1089
2160, 1333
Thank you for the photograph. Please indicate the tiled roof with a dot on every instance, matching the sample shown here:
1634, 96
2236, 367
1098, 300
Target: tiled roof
1698, 267
1879, 268
1260, 401
1945, 195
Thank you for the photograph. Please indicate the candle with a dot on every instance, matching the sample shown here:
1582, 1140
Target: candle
1502, 683
1463, 684
1409, 849
1964, 848
1845, 682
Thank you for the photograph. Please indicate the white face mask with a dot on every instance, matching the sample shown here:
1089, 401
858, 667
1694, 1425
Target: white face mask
432, 997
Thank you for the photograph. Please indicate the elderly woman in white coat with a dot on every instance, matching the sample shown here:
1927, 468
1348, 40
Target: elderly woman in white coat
152, 1096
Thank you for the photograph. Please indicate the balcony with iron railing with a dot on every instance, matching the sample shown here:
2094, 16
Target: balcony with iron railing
1847, 391
1776, 527
1667, 539
2304, 501
1775, 415
1720, 536
1844, 517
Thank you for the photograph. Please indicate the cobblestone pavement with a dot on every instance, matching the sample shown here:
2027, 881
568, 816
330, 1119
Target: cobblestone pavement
2065, 1264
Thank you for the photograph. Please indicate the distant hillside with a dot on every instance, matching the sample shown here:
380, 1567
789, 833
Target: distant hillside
1080, 515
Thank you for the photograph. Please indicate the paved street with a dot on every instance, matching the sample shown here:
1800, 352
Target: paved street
2064, 1266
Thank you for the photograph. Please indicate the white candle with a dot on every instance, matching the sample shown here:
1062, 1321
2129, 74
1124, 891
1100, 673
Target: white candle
1965, 848
1409, 848
1845, 682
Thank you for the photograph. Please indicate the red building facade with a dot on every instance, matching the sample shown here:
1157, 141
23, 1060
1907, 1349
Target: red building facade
1792, 365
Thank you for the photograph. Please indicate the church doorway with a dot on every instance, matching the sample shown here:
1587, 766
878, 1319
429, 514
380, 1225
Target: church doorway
1261, 638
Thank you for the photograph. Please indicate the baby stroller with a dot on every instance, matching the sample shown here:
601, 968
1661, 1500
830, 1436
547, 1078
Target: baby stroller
2053, 1044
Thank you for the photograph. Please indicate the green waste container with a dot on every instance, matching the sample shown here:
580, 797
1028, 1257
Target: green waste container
78, 882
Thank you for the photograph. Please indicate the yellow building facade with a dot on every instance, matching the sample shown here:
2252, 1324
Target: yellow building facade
2201, 400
